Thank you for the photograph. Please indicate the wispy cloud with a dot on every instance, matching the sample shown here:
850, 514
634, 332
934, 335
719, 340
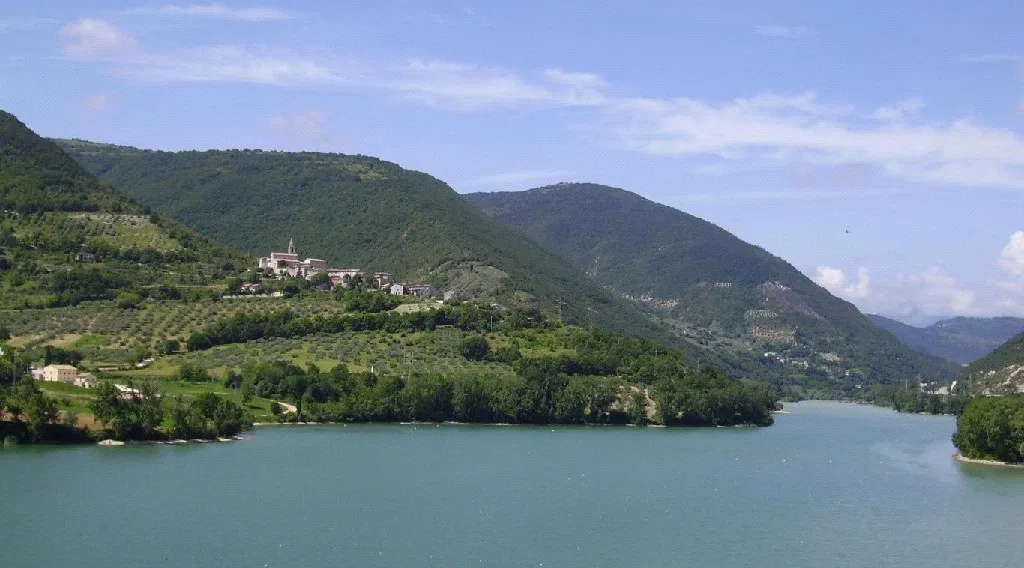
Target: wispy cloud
98, 102
425, 81
88, 39
779, 31
520, 177
990, 58
771, 128
308, 125
229, 64
220, 11
765, 130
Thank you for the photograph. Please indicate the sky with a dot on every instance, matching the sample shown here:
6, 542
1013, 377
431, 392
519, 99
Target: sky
876, 146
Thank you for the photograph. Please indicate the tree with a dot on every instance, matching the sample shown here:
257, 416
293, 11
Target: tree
474, 348
106, 405
168, 347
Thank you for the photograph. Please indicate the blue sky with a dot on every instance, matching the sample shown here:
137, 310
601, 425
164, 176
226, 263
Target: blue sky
876, 146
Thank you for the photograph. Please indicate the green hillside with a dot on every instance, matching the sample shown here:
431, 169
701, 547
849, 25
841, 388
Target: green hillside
717, 290
65, 237
959, 339
357, 211
999, 372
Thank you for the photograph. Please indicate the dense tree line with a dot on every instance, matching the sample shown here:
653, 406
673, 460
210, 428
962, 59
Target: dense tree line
141, 415
915, 400
608, 378
992, 428
249, 327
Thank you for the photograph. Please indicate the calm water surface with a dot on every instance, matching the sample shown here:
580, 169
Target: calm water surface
828, 485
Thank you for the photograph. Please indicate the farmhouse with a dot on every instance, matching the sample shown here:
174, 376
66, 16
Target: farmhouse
85, 380
59, 374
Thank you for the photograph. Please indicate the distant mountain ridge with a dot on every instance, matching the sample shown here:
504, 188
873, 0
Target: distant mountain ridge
960, 339
712, 287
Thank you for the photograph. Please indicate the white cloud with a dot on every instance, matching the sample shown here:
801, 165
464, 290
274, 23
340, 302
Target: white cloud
936, 292
770, 128
520, 177
785, 32
835, 281
100, 101
307, 125
898, 112
1012, 257
229, 64
221, 11
425, 81
839, 141
88, 38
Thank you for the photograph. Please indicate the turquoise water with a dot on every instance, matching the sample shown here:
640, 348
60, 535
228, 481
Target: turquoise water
828, 485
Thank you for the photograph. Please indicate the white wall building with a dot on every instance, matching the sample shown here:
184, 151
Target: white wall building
59, 374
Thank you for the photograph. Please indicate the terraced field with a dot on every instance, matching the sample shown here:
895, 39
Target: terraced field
104, 333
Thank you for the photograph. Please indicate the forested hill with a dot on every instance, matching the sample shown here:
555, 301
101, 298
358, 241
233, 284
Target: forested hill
65, 237
357, 211
999, 372
36, 176
720, 291
959, 339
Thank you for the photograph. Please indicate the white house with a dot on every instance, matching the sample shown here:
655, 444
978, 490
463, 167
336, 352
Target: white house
85, 380
59, 374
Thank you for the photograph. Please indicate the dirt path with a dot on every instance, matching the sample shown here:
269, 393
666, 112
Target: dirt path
288, 408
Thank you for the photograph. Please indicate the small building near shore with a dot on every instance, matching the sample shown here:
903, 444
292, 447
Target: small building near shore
423, 290
85, 380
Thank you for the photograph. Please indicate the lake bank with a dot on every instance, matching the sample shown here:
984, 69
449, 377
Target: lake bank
963, 459
829, 484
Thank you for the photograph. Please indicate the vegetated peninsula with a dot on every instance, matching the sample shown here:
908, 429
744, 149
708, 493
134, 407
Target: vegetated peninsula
118, 322
756, 311
991, 427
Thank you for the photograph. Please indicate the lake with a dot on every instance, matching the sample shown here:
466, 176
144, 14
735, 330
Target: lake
829, 485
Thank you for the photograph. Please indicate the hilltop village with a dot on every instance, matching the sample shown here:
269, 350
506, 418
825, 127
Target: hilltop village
315, 270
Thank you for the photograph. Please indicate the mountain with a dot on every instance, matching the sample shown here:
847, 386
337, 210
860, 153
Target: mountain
959, 339
358, 211
999, 372
65, 237
714, 289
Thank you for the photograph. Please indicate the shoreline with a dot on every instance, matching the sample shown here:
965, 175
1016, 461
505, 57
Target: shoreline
962, 459
112, 442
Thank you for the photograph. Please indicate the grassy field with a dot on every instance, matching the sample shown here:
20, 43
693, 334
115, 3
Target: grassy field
76, 399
